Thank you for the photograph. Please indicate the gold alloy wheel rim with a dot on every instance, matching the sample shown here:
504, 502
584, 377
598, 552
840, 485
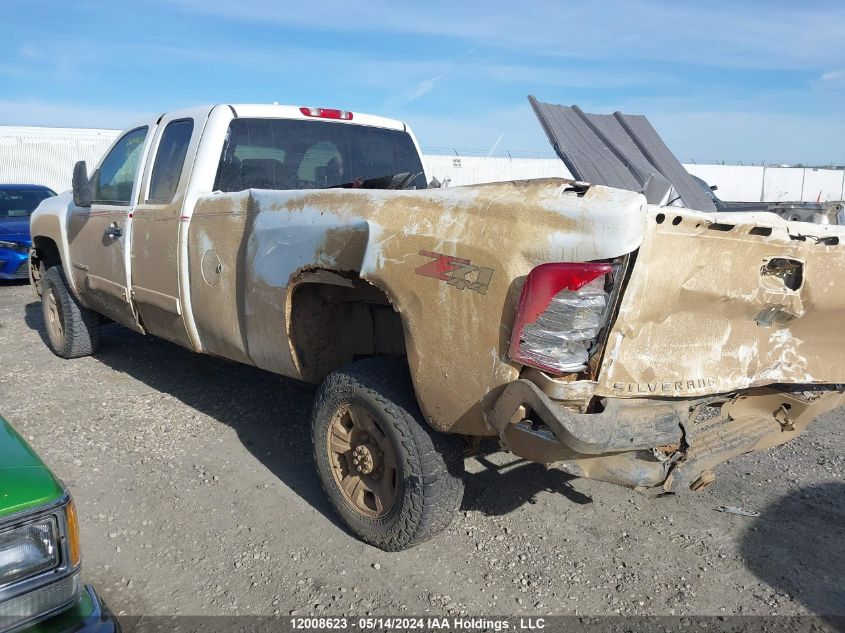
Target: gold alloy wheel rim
54, 316
362, 461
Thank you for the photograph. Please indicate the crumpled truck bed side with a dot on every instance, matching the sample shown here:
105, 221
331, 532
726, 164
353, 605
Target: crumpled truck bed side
451, 261
725, 302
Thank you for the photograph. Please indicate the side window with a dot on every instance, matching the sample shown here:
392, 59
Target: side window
115, 178
170, 160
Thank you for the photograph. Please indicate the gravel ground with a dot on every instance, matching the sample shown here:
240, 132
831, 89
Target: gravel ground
197, 495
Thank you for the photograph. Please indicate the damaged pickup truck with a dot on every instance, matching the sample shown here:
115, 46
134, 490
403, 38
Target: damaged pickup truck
581, 325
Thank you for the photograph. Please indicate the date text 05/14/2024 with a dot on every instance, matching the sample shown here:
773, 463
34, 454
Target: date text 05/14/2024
408, 623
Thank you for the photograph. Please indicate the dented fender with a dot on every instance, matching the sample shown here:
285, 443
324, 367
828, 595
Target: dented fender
451, 261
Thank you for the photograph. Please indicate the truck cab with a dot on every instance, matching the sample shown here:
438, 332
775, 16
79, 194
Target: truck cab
123, 249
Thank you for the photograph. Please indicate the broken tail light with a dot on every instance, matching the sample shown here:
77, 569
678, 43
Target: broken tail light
562, 309
327, 113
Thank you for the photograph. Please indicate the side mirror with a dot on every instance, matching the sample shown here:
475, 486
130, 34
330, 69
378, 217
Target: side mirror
81, 186
714, 187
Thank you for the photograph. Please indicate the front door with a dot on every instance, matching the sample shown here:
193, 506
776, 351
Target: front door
99, 234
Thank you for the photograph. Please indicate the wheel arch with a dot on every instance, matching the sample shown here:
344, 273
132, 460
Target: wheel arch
49, 240
46, 251
335, 318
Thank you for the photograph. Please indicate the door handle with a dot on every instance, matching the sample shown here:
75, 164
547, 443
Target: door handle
114, 231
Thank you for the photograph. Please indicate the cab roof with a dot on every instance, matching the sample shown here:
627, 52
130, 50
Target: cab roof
276, 111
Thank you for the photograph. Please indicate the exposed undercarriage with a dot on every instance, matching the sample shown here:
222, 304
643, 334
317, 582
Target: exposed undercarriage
653, 443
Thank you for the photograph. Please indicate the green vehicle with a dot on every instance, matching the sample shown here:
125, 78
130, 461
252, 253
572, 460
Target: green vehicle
39, 549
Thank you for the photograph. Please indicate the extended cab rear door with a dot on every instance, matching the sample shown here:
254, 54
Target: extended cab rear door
99, 235
157, 224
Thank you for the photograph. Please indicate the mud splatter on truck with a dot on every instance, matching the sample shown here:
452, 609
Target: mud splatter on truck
636, 343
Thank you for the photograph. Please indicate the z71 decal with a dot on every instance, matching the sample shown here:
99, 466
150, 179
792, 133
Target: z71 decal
456, 272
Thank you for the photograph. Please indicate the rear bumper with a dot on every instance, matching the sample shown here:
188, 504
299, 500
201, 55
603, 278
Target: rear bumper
646, 443
614, 445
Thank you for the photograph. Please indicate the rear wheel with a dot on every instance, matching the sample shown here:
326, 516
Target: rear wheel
392, 479
362, 461
72, 329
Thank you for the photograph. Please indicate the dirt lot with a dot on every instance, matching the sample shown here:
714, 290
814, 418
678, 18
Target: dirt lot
196, 493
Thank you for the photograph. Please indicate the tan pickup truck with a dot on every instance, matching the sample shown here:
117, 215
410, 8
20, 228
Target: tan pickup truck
581, 326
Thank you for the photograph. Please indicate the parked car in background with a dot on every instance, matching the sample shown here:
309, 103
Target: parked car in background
17, 202
39, 548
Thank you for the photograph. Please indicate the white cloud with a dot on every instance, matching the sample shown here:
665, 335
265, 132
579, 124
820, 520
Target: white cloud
571, 76
784, 35
614, 55
422, 88
834, 77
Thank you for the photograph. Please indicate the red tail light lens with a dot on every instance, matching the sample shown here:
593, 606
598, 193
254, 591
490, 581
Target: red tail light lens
561, 310
327, 113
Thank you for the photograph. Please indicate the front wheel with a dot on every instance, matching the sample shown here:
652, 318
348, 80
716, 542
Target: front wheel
392, 479
72, 329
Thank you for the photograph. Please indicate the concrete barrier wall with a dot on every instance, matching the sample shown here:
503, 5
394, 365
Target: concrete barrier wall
772, 184
47, 155
740, 184
823, 184
735, 183
783, 183
470, 170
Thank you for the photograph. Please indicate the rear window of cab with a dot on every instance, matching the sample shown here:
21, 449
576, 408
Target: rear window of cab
297, 154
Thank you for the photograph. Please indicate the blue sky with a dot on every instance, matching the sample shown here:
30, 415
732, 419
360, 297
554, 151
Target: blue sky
721, 81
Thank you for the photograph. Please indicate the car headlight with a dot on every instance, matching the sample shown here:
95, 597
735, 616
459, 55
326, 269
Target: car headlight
28, 550
39, 564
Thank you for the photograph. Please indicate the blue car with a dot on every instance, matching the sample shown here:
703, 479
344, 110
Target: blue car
17, 202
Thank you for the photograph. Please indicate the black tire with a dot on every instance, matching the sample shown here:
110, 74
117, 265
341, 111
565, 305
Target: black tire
429, 464
72, 329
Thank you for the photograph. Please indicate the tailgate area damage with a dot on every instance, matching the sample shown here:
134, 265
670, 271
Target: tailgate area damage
753, 421
717, 304
727, 341
650, 443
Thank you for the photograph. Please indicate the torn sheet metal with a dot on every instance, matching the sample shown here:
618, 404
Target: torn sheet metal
755, 420
721, 303
619, 150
